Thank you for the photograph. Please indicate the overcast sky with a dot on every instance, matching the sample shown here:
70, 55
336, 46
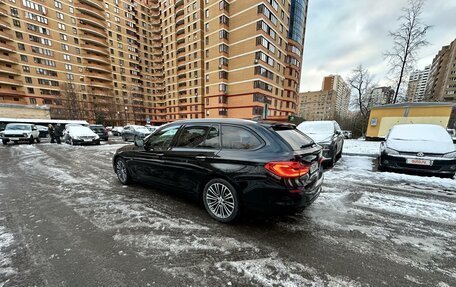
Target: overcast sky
343, 34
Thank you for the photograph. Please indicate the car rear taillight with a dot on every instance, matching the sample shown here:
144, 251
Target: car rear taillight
288, 169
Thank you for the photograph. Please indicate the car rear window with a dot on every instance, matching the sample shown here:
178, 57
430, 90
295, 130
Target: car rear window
295, 138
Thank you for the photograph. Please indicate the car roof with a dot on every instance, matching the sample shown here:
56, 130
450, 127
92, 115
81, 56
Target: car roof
233, 121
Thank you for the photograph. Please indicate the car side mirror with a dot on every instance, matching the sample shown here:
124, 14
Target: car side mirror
139, 143
34, 129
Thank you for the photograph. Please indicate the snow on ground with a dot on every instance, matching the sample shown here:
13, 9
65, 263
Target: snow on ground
6, 252
361, 147
276, 272
363, 169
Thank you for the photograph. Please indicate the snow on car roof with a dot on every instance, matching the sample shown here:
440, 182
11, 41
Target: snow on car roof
316, 127
422, 132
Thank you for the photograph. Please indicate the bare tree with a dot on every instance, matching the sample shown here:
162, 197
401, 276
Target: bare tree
71, 101
408, 39
361, 85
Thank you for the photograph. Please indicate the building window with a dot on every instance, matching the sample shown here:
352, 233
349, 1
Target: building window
222, 88
28, 80
223, 34
58, 4
224, 20
21, 46
24, 58
16, 23
26, 69
59, 15
223, 48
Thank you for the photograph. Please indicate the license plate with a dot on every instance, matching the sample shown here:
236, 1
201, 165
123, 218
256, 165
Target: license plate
14, 139
87, 140
314, 167
419, 161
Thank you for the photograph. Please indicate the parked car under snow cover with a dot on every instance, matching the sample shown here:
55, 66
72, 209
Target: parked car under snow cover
327, 134
418, 148
81, 135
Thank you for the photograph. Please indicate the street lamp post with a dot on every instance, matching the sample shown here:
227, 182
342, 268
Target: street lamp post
118, 118
126, 115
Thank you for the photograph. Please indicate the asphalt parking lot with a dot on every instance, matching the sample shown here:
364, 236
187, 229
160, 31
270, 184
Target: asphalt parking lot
66, 221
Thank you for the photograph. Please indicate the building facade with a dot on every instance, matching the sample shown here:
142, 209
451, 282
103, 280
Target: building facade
342, 92
417, 84
318, 105
153, 60
381, 96
442, 76
331, 101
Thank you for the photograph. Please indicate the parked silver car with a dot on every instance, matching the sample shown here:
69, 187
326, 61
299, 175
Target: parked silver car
134, 132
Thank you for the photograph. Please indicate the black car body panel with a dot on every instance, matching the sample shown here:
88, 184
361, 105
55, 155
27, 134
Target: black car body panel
398, 162
188, 169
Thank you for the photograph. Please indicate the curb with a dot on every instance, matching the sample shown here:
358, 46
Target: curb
374, 155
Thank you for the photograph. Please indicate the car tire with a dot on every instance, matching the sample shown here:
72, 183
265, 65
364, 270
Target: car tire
333, 160
38, 140
124, 138
339, 155
31, 140
122, 172
4, 142
15, 142
221, 200
71, 141
97, 142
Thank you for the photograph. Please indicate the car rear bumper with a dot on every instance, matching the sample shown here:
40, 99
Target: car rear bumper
443, 166
276, 198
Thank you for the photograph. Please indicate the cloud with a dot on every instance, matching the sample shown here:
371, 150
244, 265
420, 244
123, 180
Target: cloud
343, 34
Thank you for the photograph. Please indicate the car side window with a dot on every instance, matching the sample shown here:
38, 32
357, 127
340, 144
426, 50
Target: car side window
199, 137
162, 140
238, 138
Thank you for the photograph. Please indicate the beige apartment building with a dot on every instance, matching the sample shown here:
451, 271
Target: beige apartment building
441, 85
128, 61
417, 85
331, 101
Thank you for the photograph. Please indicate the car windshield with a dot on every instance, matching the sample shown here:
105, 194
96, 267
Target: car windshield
418, 132
142, 129
322, 127
97, 129
18, 127
296, 139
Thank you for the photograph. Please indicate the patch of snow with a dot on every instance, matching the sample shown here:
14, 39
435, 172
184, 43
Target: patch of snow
275, 272
361, 147
6, 253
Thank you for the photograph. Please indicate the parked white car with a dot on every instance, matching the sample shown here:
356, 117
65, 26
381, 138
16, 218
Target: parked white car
80, 135
17, 132
422, 148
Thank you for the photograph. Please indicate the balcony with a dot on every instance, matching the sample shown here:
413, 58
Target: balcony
181, 67
180, 21
9, 59
4, 24
180, 41
100, 85
99, 76
10, 82
180, 50
97, 58
3, 12
11, 92
7, 47
98, 67
93, 3
89, 10
91, 20
94, 40
92, 30
95, 49
6, 36
9, 70
178, 3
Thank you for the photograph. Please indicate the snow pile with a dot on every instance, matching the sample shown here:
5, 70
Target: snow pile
6, 252
361, 147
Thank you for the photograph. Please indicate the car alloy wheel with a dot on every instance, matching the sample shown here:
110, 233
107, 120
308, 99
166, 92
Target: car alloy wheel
221, 200
122, 172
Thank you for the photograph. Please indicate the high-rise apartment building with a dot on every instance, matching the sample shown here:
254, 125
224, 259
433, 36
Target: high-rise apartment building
101, 55
318, 105
442, 77
127, 60
381, 96
331, 101
342, 92
417, 84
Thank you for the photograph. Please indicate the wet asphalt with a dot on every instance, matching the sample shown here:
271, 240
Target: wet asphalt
74, 224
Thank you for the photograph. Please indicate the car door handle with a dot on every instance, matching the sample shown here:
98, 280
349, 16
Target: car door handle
160, 154
200, 157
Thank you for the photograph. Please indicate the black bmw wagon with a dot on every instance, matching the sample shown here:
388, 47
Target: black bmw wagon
232, 165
